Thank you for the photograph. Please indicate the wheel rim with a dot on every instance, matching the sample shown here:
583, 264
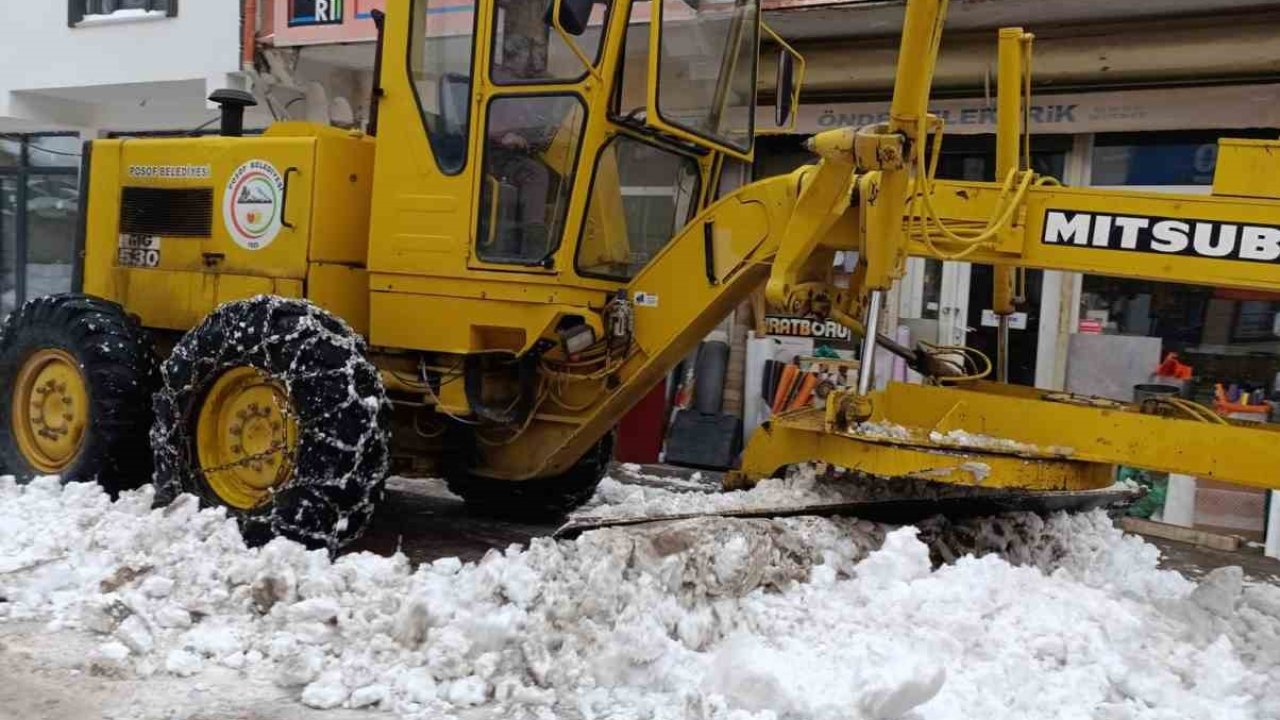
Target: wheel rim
50, 410
246, 437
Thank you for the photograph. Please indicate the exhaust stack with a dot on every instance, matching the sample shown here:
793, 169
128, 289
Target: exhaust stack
233, 103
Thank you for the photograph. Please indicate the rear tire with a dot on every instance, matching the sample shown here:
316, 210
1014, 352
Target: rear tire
540, 499
92, 345
333, 399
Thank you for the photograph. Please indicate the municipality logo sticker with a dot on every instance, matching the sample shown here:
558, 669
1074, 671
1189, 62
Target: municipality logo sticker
252, 204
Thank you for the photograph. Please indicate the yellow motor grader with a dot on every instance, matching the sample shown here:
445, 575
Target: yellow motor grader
534, 228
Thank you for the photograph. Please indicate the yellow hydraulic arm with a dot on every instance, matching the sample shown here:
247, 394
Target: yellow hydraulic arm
979, 433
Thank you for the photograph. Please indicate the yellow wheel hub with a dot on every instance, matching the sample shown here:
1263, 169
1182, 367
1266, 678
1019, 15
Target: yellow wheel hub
246, 437
50, 410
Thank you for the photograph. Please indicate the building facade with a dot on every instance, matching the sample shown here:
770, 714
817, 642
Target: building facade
82, 69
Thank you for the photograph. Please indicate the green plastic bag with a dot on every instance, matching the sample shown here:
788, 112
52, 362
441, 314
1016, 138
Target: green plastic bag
1156, 485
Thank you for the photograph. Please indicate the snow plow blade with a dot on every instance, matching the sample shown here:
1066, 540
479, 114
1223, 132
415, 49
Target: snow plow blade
896, 511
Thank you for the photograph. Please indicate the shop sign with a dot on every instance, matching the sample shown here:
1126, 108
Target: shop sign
1017, 321
315, 12
821, 331
1090, 327
1224, 107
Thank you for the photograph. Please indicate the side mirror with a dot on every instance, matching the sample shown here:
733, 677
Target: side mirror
786, 88
575, 15
790, 78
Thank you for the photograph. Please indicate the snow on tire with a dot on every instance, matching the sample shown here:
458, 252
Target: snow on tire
339, 462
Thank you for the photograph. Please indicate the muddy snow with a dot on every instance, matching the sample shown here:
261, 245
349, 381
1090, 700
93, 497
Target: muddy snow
1016, 617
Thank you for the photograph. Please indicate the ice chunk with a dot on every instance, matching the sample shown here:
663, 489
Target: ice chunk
183, 663
326, 693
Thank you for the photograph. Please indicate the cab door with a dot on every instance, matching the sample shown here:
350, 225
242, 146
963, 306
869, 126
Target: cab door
540, 102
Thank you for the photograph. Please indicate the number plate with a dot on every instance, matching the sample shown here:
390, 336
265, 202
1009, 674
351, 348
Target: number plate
138, 251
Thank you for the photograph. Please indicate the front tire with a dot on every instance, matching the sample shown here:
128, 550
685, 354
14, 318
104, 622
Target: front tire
271, 409
76, 378
540, 499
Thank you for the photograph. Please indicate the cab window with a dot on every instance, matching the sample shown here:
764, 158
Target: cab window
531, 149
440, 47
707, 68
528, 50
641, 196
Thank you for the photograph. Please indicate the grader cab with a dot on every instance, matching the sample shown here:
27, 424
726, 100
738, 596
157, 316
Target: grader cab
534, 228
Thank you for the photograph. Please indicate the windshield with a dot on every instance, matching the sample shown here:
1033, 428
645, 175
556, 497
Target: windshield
707, 68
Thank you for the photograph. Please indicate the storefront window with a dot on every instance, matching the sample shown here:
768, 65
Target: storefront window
1159, 159
1180, 164
52, 210
1227, 336
8, 244
54, 151
10, 152
39, 212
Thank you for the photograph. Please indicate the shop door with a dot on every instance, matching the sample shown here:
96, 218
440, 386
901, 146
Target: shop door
39, 211
953, 312
8, 244
934, 301
976, 325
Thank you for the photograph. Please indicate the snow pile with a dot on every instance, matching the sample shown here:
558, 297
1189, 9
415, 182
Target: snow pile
805, 488
801, 488
713, 618
976, 441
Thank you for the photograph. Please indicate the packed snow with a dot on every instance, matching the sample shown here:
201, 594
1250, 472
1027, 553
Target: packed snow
976, 441
807, 488
715, 618
615, 499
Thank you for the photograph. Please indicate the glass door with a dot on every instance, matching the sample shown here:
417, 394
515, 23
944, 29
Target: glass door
52, 210
8, 244
39, 213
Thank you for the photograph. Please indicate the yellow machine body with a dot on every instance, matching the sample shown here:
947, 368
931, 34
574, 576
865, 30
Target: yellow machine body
180, 186
396, 233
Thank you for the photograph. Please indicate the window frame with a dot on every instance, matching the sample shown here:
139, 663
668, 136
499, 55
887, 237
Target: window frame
417, 96
547, 262
641, 138
654, 101
78, 10
586, 71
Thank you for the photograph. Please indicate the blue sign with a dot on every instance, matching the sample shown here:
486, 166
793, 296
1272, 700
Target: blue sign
315, 12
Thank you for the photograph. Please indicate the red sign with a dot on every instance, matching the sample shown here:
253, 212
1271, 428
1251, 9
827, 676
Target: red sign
1090, 327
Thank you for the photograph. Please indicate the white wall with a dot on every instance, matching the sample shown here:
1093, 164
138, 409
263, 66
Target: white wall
144, 73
